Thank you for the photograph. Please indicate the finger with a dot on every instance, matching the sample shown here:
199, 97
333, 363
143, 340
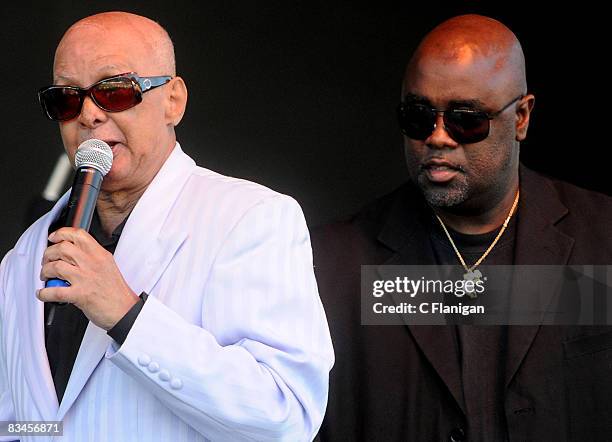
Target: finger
79, 237
58, 269
64, 251
56, 294
70, 234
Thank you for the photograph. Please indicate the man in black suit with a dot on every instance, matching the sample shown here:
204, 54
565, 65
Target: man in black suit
464, 112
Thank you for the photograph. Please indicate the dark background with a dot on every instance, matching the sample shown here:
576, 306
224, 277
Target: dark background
300, 95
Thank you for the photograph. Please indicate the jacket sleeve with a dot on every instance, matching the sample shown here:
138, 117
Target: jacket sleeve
7, 412
258, 366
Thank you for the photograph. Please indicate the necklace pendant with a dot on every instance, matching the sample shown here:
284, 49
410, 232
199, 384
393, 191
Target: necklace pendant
474, 276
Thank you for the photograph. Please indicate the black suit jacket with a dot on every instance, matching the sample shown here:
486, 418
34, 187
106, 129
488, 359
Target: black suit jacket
402, 383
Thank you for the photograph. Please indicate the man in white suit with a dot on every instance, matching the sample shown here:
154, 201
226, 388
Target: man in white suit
195, 294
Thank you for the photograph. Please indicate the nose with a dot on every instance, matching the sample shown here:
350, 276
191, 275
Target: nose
91, 115
439, 138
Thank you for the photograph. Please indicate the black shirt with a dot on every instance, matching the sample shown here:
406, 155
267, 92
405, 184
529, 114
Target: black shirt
63, 337
481, 349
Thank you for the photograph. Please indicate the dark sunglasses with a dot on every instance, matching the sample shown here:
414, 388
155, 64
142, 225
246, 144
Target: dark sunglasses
114, 94
465, 126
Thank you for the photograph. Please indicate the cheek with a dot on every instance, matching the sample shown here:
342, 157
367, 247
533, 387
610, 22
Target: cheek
70, 138
414, 153
479, 165
488, 163
414, 150
67, 130
131, 126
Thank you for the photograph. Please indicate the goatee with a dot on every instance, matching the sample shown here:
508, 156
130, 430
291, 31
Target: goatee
446, 195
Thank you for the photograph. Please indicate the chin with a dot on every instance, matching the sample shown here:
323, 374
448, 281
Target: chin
112, 181
120, 169
445, 195
444, 199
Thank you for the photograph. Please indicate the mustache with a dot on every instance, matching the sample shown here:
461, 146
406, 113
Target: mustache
430, 162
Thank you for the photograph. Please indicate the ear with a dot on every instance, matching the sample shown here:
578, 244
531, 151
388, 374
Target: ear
523, 112
176, 101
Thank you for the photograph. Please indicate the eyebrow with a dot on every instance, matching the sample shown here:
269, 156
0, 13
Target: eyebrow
103, 72
57, 79
473, 103
416, 98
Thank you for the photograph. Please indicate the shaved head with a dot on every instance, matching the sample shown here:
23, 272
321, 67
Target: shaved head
469, 40
143, 34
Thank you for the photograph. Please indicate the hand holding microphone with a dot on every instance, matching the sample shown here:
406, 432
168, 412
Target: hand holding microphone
93, 160
77, 269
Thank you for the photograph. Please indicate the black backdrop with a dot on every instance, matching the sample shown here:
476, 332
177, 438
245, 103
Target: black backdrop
300, 95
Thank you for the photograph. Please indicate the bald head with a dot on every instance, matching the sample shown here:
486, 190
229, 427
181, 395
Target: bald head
472, 42
146, 40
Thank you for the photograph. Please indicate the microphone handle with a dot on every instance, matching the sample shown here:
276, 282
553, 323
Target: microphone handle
81, 205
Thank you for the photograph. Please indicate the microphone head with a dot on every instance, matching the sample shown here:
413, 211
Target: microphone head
94, 153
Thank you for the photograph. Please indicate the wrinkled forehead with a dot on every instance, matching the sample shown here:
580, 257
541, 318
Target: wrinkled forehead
90, 51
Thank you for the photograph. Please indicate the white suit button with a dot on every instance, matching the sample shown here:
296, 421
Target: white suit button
164, 375
144, 360
153, 367
176, 384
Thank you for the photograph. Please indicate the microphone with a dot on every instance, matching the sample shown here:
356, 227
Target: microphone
93, 160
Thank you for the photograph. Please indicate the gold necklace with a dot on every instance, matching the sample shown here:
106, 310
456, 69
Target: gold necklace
470, 273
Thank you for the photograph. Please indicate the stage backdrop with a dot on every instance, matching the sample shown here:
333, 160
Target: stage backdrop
300, 95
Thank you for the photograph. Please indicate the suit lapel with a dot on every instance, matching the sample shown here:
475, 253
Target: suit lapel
406, 232
144, 251
148, 243
94, 344
538, 242
36, 369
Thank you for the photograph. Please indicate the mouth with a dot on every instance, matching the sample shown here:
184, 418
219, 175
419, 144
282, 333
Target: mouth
438, 170
113, 145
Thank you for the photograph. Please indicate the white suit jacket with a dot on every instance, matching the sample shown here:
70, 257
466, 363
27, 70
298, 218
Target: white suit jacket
232, 343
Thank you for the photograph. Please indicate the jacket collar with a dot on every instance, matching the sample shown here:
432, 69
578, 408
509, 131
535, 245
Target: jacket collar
406, 224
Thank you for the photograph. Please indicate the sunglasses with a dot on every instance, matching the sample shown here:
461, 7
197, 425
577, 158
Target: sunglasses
465, 126
114, 94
